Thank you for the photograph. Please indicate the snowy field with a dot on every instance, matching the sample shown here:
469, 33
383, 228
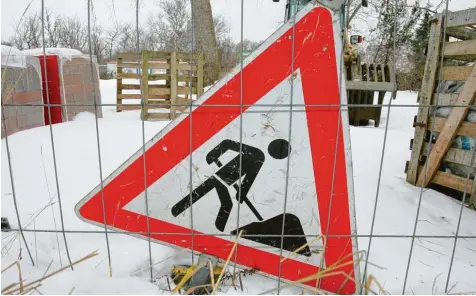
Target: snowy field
121, 135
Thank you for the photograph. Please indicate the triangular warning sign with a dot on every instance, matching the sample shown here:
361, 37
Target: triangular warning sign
293, 182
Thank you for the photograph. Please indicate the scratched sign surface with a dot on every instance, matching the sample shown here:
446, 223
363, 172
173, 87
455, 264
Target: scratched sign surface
269, 150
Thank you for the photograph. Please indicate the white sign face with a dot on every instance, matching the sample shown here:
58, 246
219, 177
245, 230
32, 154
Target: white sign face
265, 135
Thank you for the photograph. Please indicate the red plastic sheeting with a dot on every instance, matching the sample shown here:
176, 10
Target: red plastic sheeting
52, 89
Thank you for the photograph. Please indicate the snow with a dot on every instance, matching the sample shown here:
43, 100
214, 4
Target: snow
120, 135
84, 116
67, 53
12, 57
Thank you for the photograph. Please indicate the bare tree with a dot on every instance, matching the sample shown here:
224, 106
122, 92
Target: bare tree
73, 34
396, 24
170, 29
28, 33
52, 29
248, 45
127, 40
111, 38
225, 44
97, 44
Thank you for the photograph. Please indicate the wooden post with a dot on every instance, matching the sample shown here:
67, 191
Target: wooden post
173, 84
472, 198
199, 75
360, 94
145, 85
167, 72
118, 83
351, 94
453, 122
427, 90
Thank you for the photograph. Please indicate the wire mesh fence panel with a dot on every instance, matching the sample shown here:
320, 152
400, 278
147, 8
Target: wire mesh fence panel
231, 146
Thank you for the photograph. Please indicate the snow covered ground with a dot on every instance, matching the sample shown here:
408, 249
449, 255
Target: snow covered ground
121, 135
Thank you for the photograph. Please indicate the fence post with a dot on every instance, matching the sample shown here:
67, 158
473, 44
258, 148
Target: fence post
173, 84
199, 75
426, 93
118, 83
145, 85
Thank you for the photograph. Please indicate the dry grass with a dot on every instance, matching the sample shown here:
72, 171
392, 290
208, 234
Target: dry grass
20, 280
330, 271
227, 262
31, 286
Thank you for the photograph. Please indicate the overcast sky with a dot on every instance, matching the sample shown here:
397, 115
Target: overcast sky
262, 17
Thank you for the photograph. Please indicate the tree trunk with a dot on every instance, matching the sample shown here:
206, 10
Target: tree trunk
205, 39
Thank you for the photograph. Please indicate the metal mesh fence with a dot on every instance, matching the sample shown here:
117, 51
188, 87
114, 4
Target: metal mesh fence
369, 240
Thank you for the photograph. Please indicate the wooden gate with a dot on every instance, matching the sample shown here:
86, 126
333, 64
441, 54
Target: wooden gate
362, 82
160, 83
446, 160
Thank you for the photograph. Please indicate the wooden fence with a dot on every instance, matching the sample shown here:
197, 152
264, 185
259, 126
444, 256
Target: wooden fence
445, 159
362, 81
170, 81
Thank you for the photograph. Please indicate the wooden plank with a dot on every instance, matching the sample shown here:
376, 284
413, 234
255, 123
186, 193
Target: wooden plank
126, 107
472, 198
454, 120
455, 155
451, 181
129, 65
155, 98
159, 91
128, 76
461, 33
163, 90
173, 84
368, 112
139, 96
159, 116
145, 83
466, 129
129, 96
159, 55
460, 18
131, 86
187, 55
163, 66
456, 73
118, 85
187, 78
180, 102
137, 86
129, 55
181, 67
464, 50
185, 90
427, 90
186, 67
369, 85
159, 76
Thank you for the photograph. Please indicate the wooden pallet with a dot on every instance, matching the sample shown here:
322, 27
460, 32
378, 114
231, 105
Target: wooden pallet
459, 26
361, 84
171, 77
